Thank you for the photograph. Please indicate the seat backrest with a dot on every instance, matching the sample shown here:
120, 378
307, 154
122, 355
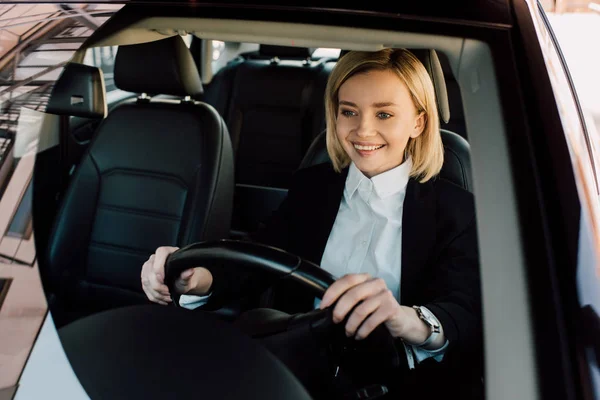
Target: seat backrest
272, 103
156, 173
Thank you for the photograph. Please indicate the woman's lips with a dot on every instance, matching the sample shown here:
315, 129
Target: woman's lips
367, 149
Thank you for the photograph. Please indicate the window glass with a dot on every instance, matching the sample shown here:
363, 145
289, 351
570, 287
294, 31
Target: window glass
103, 58
582, 151
224, 52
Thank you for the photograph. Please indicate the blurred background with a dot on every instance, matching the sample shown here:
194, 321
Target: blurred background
576, 24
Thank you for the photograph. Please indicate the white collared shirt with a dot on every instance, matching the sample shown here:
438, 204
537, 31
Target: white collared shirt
366, 236
367, 233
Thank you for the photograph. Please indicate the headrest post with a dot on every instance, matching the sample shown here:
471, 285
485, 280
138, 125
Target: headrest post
143, 97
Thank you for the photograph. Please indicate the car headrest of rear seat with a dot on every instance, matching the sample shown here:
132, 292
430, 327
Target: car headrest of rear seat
432, 64
79, 92
266, 50
430, 60
161, 67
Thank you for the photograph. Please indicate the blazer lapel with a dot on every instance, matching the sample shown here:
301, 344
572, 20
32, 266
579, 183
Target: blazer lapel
324, 214
418, 235
315, 223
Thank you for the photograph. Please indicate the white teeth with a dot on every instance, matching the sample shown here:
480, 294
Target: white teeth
367, 148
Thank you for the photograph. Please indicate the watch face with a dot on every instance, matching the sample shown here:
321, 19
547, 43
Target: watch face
428, 317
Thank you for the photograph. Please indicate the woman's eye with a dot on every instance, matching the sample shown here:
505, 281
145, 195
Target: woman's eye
383, 115
347, 113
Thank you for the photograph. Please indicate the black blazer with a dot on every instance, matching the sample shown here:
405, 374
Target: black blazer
440, 267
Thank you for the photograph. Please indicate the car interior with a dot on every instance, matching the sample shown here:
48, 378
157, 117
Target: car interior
126, 184
175, 163
232, 148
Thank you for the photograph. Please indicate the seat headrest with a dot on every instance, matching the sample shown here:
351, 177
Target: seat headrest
79, 92
161, 67
284, 51
430, 60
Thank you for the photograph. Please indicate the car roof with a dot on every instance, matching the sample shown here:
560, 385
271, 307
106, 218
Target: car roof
494, 12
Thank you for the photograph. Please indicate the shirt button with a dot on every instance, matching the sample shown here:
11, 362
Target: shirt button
364, 242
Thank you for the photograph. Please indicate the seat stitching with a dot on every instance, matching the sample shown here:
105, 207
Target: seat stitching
147, 213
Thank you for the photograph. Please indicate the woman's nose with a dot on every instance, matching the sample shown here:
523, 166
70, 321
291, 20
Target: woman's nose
365, 128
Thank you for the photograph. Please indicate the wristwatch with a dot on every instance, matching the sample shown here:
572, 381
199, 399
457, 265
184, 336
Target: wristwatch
431, 321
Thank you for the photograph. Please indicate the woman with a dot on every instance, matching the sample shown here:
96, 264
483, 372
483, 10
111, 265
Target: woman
402, 242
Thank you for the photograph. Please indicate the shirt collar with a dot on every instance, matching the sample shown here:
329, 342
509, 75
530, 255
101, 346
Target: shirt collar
385, 184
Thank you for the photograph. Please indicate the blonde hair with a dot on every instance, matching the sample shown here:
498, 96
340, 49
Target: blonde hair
426, 150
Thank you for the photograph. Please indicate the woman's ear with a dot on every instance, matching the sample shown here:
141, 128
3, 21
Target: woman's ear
419, 127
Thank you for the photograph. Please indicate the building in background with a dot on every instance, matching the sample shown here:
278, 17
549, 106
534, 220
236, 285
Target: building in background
36, 40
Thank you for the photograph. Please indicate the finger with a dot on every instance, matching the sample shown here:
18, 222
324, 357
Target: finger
151, 292
361, 313
162, 303
182, 284
150, 284
158, 297
160, 258
355, 295
145, 278
156, 285
340, 286
158, 300
382, 314
187, 274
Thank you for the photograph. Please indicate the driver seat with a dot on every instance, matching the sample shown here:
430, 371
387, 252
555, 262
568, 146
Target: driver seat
158, 172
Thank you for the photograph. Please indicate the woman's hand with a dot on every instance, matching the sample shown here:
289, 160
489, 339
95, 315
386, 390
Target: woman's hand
191, 281
372, 304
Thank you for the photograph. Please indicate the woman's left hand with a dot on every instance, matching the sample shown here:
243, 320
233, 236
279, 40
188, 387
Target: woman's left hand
377, 306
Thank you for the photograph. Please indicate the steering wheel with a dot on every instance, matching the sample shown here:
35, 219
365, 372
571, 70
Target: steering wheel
289, 336
152, 351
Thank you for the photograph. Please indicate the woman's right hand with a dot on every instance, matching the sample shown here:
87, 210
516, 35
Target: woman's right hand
191, 281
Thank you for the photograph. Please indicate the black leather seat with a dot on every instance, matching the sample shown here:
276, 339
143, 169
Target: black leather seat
158, 172
272, 103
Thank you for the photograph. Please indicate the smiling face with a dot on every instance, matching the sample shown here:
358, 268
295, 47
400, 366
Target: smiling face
375, 119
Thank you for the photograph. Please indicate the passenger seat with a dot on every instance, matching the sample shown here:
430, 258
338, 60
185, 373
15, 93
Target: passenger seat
158, 172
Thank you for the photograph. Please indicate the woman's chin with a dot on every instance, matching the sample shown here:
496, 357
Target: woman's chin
368, 168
